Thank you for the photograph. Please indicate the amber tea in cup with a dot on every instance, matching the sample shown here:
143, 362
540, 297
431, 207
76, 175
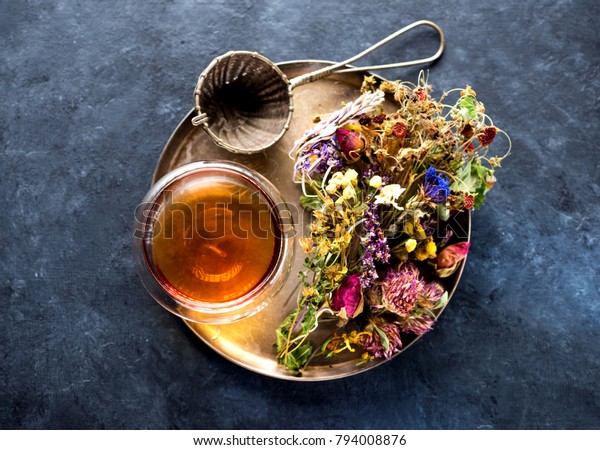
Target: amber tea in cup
210, 242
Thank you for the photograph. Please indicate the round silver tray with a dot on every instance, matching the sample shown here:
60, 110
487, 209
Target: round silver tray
250, 342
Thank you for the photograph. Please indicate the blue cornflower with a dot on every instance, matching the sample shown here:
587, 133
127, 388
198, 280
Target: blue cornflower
437, 187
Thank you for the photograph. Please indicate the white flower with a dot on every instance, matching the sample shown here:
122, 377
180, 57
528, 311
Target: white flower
389, 194
376, 182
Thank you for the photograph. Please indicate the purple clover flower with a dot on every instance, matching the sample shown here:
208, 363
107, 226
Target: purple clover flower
401, 288
373, 345
437, 187
374, 245
417, 325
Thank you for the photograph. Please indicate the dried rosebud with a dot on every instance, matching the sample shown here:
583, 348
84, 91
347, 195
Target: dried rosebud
399, 130
347, 299
379, 119
351, 143
469, 201
469, 147
452, 255
487, 136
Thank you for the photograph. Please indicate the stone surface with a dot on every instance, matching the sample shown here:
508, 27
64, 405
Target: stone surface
90, 94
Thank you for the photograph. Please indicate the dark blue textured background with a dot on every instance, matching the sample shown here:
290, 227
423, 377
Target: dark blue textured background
91, 91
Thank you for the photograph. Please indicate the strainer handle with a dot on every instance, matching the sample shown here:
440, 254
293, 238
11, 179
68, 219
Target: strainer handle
339, 67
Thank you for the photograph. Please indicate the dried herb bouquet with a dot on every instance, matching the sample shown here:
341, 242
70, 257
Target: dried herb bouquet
382, 188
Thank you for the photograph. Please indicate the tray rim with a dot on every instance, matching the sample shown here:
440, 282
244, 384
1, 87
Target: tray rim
290, 376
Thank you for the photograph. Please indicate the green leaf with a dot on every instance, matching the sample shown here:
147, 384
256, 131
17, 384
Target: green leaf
310, 203
443, 301
385, 342
443, 213
298, 358
467, 110
309, 319
465, 181
481, 173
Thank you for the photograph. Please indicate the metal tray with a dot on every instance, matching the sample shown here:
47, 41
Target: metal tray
250, 342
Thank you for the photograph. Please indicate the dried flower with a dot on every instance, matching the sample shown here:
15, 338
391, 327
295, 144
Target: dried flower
350, 142
374, 245
400, 289
418, 325
467, 131
352, 162
487, 136
410, 245
399, 130
431, 292
376, 182
495, 161
384, 341
318, 158
468, 90
347, 299
453, 254
364, 120
469, 201
428, 250
389, 194
326, 129
379, 119
436, 186
420, 94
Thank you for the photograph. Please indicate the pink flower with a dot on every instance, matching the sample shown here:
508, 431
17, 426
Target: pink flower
452, 254
384, 341
400, 289
351, 143
448, 260
347, 299
418, 325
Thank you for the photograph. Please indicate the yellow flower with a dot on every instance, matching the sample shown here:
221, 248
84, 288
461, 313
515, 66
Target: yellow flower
426, 250
410, 245
306, 244
309, 291
420, 232
431, 249
324, 248
353, 127
319, 215
421, 253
